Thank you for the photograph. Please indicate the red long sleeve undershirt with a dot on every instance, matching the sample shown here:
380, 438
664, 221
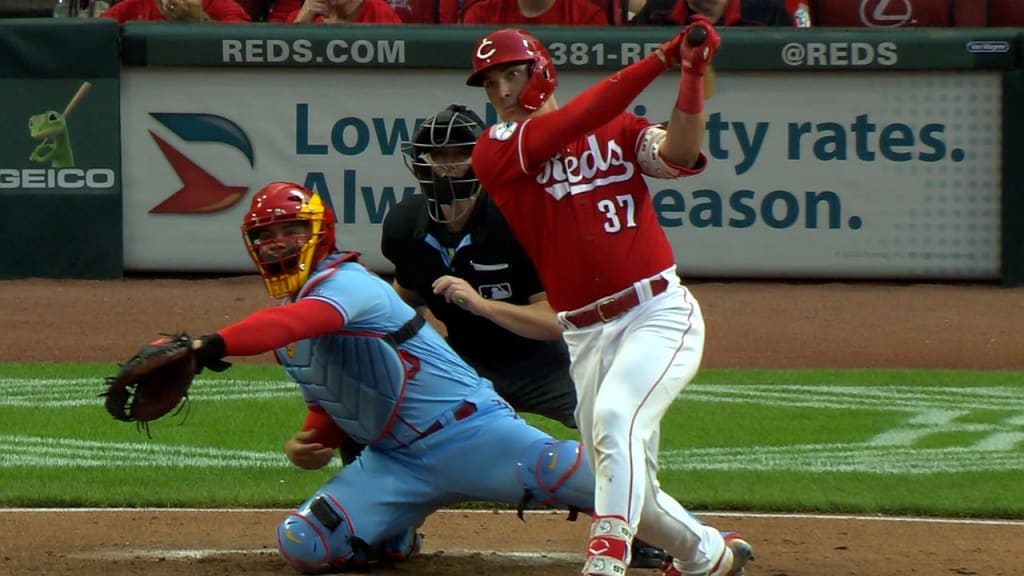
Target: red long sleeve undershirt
272, 328
591, 109
327, 432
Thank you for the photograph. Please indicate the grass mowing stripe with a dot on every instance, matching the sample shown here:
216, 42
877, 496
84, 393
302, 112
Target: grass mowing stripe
12, 460
860, 390
72, 393
846, 458
846, 397
55, 392
120, 450
1000, 441
35, 384
123, 446
40, 403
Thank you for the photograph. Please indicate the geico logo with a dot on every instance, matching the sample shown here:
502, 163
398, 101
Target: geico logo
56, 178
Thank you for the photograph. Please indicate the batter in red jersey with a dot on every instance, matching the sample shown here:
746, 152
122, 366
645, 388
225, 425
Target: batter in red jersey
569, 181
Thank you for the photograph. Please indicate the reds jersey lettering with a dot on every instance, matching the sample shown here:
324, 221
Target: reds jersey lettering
581, 215
590, 170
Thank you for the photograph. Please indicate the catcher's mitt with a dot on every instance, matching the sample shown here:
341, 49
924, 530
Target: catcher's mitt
154, 381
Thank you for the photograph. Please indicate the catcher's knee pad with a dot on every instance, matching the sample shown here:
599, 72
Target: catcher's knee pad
556, 473
316, 538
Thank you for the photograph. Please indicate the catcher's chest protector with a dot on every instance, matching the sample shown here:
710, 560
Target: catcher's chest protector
358, 380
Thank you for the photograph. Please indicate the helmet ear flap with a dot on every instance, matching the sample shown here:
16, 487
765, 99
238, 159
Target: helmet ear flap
327, 237
539, 87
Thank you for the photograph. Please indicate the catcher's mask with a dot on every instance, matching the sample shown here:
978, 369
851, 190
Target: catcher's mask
514, 46
439, 156
287, 231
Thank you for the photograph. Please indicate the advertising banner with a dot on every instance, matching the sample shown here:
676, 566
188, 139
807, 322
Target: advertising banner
60, 150
572, 48
828, 174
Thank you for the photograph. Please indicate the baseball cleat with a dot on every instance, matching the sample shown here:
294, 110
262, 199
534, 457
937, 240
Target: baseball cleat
647, 556
742, 552
738, 552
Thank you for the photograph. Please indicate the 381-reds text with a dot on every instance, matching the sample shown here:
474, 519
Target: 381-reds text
598, 54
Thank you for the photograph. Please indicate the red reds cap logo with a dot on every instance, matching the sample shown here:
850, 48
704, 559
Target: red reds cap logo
885, 13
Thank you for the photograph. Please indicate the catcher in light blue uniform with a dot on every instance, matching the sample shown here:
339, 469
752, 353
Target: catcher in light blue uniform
423, 412
372, 371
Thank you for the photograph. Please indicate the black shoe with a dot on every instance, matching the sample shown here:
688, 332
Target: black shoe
647, 556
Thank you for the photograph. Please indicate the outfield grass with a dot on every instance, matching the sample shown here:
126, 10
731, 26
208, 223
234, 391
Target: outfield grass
859, 441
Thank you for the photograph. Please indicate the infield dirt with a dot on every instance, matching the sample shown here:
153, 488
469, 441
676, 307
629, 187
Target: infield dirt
750, 325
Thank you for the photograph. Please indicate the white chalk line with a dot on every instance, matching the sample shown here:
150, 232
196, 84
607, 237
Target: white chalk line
528, 556
723, 514
869, 457
535, 557
76, 392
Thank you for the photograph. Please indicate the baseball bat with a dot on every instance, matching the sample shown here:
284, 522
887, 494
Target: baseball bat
696, 37
82, 91
709, 83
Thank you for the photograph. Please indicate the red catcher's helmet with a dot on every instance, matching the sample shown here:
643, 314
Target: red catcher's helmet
513, 46
285, 261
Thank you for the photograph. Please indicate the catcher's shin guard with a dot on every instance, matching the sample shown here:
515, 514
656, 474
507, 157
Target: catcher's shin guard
555, 473
316, 538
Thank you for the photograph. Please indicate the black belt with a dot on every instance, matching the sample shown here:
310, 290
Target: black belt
465, 410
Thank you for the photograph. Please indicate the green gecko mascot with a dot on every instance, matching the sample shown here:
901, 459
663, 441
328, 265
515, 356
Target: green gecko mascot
51, 127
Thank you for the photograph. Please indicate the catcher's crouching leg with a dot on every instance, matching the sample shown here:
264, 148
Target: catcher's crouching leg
316, 538
403, 545
556, 473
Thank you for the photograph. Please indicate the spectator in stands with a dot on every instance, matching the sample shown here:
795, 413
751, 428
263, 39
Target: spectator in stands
192, 11
257, 9
535, 12
1005, 13
89, 8
333, 12
427, 11
720, 12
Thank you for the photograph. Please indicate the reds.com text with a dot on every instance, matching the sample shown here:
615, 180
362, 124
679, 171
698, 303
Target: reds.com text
302, 51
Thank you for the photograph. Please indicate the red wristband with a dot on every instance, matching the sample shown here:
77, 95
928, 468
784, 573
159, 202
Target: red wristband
691, 94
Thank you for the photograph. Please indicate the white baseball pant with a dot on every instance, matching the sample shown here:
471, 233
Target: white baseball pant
628, 372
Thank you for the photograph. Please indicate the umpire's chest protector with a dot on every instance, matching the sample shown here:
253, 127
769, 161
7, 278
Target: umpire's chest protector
358, 379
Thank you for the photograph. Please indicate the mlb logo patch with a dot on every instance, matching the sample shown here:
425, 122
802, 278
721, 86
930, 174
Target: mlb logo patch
501, 291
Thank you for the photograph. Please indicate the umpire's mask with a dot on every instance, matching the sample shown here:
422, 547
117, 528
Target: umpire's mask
439, 156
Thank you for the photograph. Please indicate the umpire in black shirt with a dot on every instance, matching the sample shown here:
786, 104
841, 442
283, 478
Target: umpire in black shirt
454, 253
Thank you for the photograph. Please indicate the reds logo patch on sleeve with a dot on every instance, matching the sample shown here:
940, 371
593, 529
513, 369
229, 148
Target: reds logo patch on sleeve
503, 131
